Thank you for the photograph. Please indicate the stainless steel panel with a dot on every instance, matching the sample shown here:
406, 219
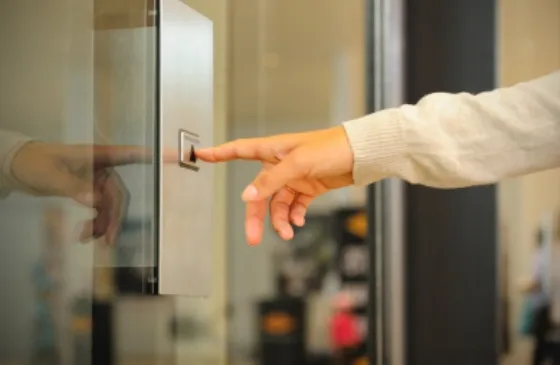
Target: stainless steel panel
186, 122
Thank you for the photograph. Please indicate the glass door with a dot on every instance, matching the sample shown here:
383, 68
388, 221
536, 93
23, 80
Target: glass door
296, 66
101, 202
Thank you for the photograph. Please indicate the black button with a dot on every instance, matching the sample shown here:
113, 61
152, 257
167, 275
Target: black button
192, 156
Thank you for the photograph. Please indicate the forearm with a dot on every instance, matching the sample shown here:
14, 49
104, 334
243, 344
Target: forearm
10, 143
456, 140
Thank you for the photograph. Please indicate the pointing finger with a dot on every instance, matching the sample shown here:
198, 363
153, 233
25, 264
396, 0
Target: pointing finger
269, 149
243, 149
107, 156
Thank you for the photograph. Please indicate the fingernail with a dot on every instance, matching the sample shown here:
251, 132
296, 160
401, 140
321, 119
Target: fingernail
299, 221
287, 234
250, 193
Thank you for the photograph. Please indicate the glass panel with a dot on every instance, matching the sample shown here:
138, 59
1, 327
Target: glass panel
295, 66
124, 84
78, 81
83, 72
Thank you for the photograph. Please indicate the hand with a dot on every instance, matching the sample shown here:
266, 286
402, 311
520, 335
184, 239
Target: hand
83, 173
296, 169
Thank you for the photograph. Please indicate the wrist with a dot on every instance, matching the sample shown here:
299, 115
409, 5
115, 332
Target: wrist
10, 145
378, 146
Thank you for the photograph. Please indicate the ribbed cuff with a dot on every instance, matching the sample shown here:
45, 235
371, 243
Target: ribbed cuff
377, 141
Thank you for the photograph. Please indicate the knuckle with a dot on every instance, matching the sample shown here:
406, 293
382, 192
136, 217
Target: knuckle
279, 207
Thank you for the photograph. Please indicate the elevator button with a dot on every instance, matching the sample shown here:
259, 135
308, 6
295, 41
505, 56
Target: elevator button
187, 150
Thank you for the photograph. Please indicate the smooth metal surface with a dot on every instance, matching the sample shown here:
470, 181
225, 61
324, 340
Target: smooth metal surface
394, 70
386, 72
186, 103
374, 92
378, 189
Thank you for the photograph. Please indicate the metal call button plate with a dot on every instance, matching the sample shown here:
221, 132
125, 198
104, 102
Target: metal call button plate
187, 149
186, 188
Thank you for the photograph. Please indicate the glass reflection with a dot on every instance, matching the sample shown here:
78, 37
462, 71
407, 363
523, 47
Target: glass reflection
77, 130
77, 95
82, 173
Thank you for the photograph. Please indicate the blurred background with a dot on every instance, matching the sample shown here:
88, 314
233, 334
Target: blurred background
410, 275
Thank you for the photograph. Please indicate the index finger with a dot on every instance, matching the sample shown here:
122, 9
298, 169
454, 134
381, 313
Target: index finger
111, 155
261, 149
121, 155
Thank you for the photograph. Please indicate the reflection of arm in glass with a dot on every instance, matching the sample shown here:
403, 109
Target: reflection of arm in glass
10, 144
83, 173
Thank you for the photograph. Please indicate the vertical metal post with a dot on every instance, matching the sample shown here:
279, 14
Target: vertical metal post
373, 103
385, 34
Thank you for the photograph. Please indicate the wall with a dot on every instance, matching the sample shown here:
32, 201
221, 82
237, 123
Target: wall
529, 47
451, 241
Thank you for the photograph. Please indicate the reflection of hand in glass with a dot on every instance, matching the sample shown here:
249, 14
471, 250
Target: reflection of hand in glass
83, 173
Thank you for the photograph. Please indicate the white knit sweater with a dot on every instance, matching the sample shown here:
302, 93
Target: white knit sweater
457, 140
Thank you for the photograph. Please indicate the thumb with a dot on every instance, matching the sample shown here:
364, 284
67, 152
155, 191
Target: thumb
272, 180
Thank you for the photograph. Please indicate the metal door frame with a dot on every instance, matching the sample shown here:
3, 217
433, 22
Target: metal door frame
385, 88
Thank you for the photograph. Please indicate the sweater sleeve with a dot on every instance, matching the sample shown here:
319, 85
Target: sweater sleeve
458, 140
10, 143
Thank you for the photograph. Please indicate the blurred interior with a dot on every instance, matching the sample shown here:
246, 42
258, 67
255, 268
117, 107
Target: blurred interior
83, 72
